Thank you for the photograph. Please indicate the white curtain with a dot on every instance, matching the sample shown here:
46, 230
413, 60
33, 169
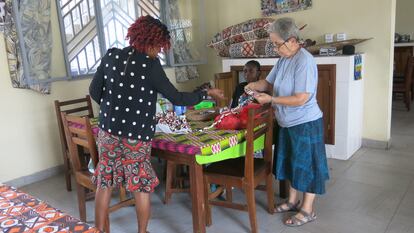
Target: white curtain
184, 53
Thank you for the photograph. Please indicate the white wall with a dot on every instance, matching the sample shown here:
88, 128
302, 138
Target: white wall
404, 22
356, 18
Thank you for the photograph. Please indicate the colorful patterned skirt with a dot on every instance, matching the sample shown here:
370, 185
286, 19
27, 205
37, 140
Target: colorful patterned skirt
300, 156
124, 162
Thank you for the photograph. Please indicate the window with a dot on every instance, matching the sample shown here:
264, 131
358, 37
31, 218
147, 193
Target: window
186, 23
90, 27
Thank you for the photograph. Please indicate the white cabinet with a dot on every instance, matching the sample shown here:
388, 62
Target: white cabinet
348, 102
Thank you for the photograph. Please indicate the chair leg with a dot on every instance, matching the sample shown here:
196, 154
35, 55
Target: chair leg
412, 90
178, 181
81, 191
169, 181
66, 167
122, 194
209, 220
407, 98
229, 194
164, 173
180, 176
251, 207
270, 194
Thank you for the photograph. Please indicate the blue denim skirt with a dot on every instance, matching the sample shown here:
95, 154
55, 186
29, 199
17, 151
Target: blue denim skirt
300, 156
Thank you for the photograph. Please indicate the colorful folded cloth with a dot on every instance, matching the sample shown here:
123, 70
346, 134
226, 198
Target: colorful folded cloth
169, 122
20, 212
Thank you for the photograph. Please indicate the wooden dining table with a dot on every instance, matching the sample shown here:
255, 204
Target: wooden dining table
196, 149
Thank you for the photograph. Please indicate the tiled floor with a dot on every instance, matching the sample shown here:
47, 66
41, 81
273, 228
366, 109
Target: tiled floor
371, 193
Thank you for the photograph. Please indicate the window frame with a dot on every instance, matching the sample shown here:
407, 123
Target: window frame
100, 35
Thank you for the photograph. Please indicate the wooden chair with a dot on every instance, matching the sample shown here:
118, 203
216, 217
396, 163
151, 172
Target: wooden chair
246, 173
227, 82
400, 77
82, 106
79, 137
405, 85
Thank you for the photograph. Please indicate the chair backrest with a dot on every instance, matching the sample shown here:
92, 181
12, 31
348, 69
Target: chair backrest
259, 122
82, 106
227, 82
409, 71
79, 136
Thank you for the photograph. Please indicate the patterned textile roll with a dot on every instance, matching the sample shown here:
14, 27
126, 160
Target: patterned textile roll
251, 29
300, 156
247, 30
253, 48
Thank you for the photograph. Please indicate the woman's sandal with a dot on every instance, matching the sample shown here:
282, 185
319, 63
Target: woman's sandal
307, 217
290, 207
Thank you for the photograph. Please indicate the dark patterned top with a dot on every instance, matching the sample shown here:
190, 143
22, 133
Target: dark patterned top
237, 93
125, 85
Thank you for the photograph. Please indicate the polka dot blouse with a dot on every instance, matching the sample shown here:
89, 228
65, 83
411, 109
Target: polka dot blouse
125, 86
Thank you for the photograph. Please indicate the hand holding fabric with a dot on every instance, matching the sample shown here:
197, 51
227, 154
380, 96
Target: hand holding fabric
263, 98
216, 93
251, 86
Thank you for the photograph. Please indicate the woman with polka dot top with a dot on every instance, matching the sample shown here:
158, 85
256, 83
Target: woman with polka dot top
126, 85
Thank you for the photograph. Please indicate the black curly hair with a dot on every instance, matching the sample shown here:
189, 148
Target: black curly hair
147, 32
253, 63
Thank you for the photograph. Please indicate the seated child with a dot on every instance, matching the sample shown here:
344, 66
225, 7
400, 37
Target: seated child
251, 72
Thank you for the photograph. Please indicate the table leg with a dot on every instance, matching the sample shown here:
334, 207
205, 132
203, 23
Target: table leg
197, 197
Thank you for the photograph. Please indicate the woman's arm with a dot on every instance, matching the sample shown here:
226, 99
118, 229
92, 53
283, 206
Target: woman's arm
259, 86
162, 84
298, 99
305, 84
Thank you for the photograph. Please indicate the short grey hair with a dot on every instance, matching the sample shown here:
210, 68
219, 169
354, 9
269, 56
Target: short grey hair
285, 28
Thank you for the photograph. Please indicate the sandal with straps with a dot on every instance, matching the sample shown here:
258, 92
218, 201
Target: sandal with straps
290, 207
296, 222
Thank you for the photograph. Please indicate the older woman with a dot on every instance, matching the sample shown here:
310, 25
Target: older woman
126, 85
300, 154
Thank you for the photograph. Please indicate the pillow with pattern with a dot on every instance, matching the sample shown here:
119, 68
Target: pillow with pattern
246, 31
252, 48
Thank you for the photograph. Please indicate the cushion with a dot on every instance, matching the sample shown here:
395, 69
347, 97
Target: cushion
252, 48
249, 30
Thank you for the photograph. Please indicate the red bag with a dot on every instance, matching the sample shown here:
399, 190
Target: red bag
234, 121
244, 114
230, 121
